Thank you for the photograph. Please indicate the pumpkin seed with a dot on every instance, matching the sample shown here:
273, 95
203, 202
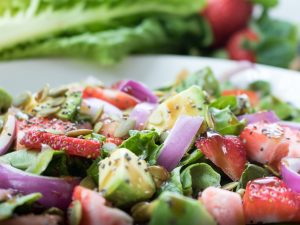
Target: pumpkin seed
141, 212
42, 94
75, 213
230, 186
241, 192
1, 124
57, 101
163, 136
48, 111
57, 92
124, 127
76, 133
88, 182
159, 175
98, 126
98, 114
22, 99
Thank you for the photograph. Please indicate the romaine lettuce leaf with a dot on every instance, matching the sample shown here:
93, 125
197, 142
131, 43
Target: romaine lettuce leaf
24, 21
109, 46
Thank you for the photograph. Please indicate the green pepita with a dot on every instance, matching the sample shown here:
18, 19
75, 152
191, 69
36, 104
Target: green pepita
230, 186
42, 94
159, 175
88, 182
56, 92
75, 213
141, 212
98, 114
98, 126
57, 101
124, 127
48, 111
22, 99
76, 133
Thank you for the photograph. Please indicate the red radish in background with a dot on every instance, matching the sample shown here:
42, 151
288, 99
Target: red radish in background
235, 47
227, 17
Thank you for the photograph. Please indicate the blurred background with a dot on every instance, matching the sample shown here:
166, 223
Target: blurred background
106, 31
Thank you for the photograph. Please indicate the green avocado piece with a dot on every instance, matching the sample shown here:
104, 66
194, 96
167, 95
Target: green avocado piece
174, 209
70, 107
124, 178
5, 100
190, 102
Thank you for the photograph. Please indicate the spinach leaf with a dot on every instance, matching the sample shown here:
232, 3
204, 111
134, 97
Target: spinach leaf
197, 177
143, 144
205, 79
174, 183
250, 173
5, 100
30, 161
7, 208
192, 158
224, 121
261, 86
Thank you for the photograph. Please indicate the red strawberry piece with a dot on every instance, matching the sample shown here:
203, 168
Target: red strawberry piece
225, 206
72, 146
227, 152
114, 97
269, 200
269, 143
227, 17
235, 47
42, 124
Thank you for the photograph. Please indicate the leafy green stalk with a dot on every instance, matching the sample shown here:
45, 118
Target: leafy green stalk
30, 20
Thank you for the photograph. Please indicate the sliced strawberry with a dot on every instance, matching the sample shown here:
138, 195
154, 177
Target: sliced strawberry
269, 143
227, 17
226, 152
114, 140
114, 97
269, 200
252, 96
95, 210
72, 146
235, 47
42, 124
225, 206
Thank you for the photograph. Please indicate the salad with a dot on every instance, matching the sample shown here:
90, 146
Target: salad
196, 152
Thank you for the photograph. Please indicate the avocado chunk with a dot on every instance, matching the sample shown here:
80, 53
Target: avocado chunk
190, 102
70, 107
5, 100
175, 209
124, 178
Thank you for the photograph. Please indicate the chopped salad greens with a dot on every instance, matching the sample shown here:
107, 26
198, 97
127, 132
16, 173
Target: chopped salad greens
190, 153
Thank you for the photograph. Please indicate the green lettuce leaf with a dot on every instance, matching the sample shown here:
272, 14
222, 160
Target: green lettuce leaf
197, 177
205, 79
224, 121
250, 173
7, 208
24, 21
5, 100
173, 184
143, 144
30, 161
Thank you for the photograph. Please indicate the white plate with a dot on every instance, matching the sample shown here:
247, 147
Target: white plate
155, 71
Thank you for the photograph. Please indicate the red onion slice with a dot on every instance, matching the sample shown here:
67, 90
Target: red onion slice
138, 90
179, 140
266, 116
141, 113
57, 192
8, 134
290, 171
91, 106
